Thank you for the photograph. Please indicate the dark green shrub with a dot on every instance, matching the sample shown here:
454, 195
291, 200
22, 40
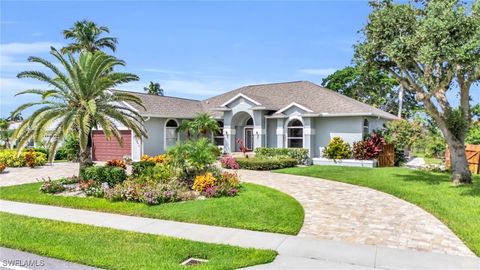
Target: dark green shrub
140, 166
300, 154
101, 174
264, 164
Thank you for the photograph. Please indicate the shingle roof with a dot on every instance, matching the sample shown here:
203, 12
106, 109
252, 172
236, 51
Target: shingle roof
319, 99
165, 106
274, 96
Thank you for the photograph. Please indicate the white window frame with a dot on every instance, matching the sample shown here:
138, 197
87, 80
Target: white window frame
365, 127
165, 133
221, 136
287, 127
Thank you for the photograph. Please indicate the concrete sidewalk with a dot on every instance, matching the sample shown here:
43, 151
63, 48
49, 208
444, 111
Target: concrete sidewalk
294, 252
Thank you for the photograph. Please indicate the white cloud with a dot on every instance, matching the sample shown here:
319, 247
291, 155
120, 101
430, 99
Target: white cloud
163, 71
317, 71
13, 56
27, 48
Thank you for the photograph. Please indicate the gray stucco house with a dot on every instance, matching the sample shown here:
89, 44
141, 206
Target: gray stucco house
290, 114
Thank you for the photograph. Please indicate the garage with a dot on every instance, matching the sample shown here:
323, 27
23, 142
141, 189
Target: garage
104, 149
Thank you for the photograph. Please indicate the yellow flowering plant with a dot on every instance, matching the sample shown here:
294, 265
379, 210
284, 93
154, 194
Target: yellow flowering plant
202, 182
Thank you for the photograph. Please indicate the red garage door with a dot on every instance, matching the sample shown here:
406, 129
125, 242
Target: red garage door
103, 149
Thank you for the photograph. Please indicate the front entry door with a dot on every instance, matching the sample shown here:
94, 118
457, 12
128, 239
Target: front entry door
249, 138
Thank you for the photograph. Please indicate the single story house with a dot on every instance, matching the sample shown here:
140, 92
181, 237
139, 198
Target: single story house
289, 114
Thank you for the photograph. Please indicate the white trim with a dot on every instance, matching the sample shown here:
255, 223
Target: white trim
165, 133
237, 96
294, 104
261, 131
285, 126
308, 131
279, 131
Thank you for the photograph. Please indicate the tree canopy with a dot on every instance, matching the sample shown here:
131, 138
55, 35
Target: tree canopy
430, 47
154, 89
86, 37
374, 87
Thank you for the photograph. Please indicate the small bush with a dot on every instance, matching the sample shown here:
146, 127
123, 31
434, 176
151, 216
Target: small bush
10, 158
435, 147
156, 159
300, 154
101, 174
263, 164
49, 186
337, 149
229, 162
368, 149
202, 182
2, 167
91, 188
116, 163
139, 167
30, 158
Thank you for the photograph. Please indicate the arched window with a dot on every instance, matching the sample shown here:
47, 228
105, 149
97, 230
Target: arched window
170, 133
249, 122
366, 128
295, 134
218, 137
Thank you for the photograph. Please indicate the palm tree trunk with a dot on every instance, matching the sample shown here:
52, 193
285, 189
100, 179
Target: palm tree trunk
84, 159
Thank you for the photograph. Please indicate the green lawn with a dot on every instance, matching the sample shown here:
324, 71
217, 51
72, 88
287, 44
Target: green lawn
456, 206
255, 208
117, 249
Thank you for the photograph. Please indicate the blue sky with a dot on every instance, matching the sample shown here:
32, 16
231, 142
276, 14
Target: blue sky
193, 49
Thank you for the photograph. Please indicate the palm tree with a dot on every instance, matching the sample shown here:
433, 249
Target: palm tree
86, 36
154, 89
201, 125
78, 101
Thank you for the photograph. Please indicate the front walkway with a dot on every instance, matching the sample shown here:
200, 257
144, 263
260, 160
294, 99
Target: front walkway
343, 212
16, 176
294, 252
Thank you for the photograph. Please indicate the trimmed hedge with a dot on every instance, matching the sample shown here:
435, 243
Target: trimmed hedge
299, 154
265, 164
101, 174
140, 166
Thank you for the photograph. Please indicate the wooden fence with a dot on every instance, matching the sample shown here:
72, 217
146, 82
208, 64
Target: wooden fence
473, 157
387, 156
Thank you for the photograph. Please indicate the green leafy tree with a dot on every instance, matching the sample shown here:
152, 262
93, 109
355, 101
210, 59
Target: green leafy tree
374, 87
5, 132
431, 48
86, 37
78, 101
154, 89
200, 125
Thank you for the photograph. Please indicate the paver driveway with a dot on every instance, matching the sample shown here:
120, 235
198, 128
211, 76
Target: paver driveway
23, 175
344, 212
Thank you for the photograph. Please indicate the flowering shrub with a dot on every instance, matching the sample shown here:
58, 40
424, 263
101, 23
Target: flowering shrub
229, 162
49, 186
337, 149
156, 159
202, 182
368, 149
10, 158
116, 163
2, 167
30, 158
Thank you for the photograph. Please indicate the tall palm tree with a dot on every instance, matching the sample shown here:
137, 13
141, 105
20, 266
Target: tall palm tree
5, 132
78, 101
154, 89
86, 37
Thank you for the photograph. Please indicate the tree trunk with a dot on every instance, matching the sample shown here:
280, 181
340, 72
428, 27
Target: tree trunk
458, 159
84, 159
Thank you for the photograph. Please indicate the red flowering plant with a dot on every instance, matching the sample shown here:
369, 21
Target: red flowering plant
241, 146
370, 148
229, 162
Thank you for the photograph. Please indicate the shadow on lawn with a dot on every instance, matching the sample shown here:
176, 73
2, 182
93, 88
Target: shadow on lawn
424, 176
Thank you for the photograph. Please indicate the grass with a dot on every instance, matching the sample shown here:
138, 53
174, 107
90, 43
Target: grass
117, 249
457, 206
428, 160
255, 208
